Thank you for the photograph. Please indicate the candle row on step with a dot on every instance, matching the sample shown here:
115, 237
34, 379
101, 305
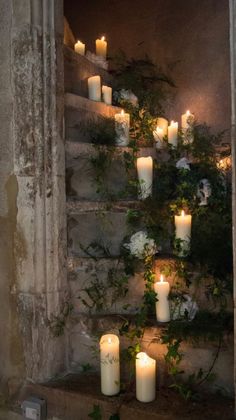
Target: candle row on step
110, 370
164, 130
96, 90
101, 47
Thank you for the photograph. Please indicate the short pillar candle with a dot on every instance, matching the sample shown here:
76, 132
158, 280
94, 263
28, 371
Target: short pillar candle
145, 378
183, 225
107, 94
101, 47
145, 176
173, 134
110, 364
94, 88
163, 123
158, 135
162, 289
122, 123
79, 48
187, 120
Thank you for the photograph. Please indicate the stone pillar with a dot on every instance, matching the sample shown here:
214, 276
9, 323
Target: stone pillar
232, 5
33, 185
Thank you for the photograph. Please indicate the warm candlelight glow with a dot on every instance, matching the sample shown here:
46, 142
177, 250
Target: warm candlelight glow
145, 378
188, 113
109, 340
122, 112
110, 364
103, 38
122, 123
101, 47
161, 278
182, 213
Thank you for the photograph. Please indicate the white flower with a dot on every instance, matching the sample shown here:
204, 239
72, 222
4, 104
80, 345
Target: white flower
188, 308
141, 245
126, 95
183, 163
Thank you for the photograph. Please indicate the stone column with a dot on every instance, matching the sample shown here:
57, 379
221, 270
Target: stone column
232, 5
35, 182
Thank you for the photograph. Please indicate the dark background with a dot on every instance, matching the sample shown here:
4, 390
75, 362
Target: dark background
189, 38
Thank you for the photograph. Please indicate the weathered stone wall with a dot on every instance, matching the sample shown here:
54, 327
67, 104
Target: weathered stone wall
32, 190
189, 38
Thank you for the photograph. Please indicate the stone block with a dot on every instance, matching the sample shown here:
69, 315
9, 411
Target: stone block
77, 69
105, 231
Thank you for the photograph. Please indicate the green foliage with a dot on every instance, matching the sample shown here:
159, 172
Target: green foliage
96, 414
58, 322
101, 131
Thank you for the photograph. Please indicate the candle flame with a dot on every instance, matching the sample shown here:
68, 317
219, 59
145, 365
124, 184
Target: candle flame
103, 38
122, 112
182, 213
109, 340
188, 112
161, 278
172, 122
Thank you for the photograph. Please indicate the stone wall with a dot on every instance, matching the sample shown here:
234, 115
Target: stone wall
189, 38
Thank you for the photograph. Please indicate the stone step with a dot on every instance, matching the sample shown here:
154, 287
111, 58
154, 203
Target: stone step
77, 69
77, 207
74, 397
78, 110
100, 233
81, 174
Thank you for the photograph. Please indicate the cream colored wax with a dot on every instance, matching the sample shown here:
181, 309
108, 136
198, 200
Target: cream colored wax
145, 176
158, 135
94, 88
107, 94
162, 288
101, 47
110, 364
173, 133
79, 48
183, 229
145, 378
122, 123
186, 124
163, 123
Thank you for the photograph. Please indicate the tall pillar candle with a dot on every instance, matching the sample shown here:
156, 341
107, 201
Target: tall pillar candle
107, 94
110, 364
183, 225
145, 176
187, 120
163, 123
145, 378
162, 288
122, 123
94, 88
173, 133
158, 135
79, 48
101, 47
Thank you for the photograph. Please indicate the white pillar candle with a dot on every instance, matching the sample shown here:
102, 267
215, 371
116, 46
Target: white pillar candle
110, 364
94, 88
101, 47
187, 120
145, 176
162, 288
183, 230
107, 94
163, 123
122, 123
173, 133
158, 135
79, 48
145, 378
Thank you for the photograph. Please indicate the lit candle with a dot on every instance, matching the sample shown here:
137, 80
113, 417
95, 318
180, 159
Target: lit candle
173, 133
163, 123
158, 135
94, 88
101, 47
110, 364
145, 378
145, 175
79, 48
107, 94
183, 231
187, 123
122, 122
162, 288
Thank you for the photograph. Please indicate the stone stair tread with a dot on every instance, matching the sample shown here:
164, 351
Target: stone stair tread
84, 206
75, 395
79, 102
75, 148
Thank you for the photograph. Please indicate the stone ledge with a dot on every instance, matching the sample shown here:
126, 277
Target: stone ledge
75, 395
76, 207
75, 148
85, 104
